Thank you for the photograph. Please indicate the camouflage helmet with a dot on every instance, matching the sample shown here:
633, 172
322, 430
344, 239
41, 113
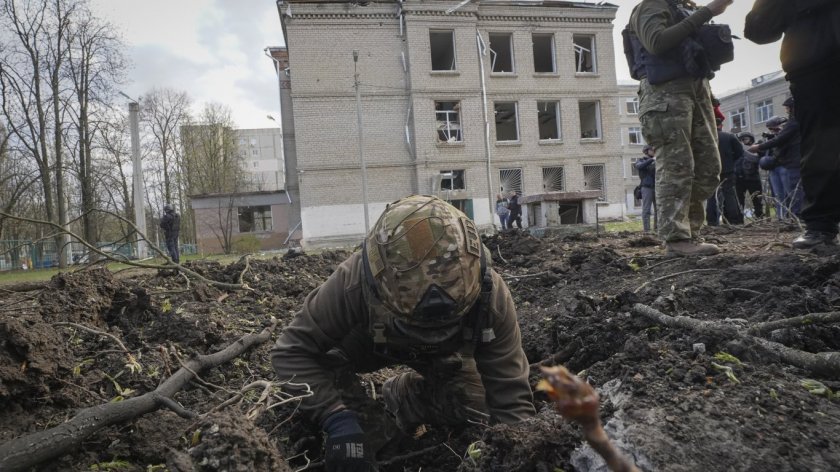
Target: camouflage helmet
168, 207
423, 262
749, 136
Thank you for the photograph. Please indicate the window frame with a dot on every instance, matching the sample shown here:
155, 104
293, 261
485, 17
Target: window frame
762, 106
456, 111
454, 65
598, 124
592, 52
553, 47
635, 102
265, 215
494, 55
453, 178
741, 114
515, 119
638, 133
557, 118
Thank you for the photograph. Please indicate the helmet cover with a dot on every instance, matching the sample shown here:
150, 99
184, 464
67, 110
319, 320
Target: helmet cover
424, 256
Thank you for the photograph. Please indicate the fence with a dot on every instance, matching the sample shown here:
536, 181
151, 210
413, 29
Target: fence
25, 254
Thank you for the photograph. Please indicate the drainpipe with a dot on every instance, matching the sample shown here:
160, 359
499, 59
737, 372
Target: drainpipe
481, 48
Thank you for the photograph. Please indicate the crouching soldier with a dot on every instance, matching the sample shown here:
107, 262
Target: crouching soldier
420, 293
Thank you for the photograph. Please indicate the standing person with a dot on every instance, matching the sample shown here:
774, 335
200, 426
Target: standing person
768, 162
171, 225
811, 58
748, 178
502, 210
420, 293
786, 156
677, 117
515, 208
731, 152
647, 174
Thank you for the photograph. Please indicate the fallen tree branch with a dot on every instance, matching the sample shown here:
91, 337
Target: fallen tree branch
669, 276
30, 450
91, 330
24, 286
523, 276
796, 322
499, 250
821, 363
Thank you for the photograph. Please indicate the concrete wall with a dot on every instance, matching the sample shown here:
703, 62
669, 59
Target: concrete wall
211, 220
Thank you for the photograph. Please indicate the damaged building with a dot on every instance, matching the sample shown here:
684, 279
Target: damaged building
464, 100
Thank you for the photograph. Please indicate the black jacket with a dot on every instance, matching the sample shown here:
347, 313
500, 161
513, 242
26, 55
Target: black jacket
514, 206
647, 171
731, 151
811, 31
746, 168
786, 145
171, 225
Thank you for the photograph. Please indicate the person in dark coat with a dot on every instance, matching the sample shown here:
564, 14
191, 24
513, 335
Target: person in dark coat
748, 178
647, 174
786, 154
811, 58
731, 151
515, 208
171, 226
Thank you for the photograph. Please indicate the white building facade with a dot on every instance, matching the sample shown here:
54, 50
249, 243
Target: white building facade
464, 103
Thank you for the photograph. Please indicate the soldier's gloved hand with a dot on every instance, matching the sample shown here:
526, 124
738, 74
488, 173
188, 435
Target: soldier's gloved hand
345, 449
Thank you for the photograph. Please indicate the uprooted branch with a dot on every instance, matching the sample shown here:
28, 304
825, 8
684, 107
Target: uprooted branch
28, 451
821, 363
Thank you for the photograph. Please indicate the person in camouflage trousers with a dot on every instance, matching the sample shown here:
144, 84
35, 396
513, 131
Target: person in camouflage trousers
677, 118
420, 293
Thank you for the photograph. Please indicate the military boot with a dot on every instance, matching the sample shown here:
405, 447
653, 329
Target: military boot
687, 247
813, 238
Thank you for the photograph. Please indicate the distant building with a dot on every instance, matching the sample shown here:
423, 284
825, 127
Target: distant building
632, 142
255, 215
535, 113
749, 108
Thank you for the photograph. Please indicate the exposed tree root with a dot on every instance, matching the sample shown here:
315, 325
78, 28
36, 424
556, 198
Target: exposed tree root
30, 450
24, 287
822, 363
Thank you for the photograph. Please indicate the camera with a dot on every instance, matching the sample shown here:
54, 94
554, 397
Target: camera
767, 135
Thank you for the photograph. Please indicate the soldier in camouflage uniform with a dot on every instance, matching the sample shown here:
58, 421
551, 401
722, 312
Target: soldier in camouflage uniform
677, 118
420, 293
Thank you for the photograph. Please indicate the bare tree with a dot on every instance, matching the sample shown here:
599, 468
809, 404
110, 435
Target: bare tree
213, 165
95, 64
163, 113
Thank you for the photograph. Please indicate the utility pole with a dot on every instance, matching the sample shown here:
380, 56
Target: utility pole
361, 147
139, 211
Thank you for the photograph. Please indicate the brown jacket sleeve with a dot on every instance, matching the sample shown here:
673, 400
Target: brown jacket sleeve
502, 363
652, 22
328, 314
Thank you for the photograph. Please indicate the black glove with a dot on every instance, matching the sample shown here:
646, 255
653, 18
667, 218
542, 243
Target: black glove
345, 447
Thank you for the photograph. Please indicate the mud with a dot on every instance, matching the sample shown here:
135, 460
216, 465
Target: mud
664, 402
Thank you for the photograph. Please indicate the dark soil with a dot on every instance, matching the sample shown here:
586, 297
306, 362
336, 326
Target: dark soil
663, 401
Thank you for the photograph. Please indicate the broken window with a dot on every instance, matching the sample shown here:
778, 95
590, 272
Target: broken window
552, 179
634, 135
452, 180
548, 118
501, 52
442, 45
632, 106
584, 45
510, 180
254, 219
633, 170
543, 52
593, 178
448, 118
590, 120
507, 126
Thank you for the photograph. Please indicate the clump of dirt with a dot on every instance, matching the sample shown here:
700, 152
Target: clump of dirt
673, 398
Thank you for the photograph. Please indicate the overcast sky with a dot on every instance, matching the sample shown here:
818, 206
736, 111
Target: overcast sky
213, 49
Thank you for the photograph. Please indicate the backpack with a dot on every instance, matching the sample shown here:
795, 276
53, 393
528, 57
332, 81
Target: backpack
637, 192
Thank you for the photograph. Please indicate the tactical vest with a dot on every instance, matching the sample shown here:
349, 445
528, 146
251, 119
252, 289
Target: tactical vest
698, 56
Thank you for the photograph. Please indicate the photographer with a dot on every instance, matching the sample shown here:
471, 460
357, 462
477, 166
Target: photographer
785, 148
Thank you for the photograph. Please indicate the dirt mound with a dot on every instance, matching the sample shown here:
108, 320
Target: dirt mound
673, 398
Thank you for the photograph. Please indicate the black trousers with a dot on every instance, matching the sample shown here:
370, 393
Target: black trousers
724, 197
753, 188
818, 112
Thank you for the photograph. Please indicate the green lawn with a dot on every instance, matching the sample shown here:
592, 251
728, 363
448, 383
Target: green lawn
37, 275
634, 225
